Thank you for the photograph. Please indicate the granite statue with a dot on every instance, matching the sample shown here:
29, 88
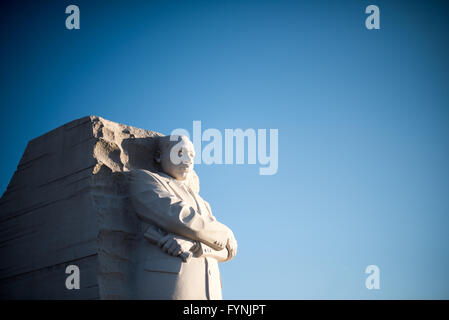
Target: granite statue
185, 241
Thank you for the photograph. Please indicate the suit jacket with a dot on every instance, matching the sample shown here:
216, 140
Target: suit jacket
167, 203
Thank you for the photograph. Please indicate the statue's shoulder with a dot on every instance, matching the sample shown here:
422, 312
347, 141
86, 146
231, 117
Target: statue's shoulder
143, 174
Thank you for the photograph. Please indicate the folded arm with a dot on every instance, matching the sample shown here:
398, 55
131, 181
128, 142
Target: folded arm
155, 204
176, 245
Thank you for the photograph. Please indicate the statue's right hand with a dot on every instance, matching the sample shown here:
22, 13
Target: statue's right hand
231, 245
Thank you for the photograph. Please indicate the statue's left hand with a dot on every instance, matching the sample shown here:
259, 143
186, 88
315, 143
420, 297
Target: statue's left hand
175, 245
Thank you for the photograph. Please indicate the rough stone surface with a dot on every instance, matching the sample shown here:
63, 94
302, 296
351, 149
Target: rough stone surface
67, 203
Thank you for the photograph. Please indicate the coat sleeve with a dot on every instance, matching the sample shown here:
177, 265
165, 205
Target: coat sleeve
155, 204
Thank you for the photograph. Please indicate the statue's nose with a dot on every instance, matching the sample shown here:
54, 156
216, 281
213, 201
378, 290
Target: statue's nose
188, 160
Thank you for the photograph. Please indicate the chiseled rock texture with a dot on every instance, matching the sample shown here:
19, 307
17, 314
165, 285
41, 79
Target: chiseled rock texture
67, 204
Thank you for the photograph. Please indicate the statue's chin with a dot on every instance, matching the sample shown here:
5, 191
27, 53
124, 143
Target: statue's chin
179, 176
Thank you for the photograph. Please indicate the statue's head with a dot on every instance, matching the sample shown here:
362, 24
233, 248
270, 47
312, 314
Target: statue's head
175, 155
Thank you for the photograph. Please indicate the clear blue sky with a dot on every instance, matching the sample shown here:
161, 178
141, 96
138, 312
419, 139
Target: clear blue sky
363, 119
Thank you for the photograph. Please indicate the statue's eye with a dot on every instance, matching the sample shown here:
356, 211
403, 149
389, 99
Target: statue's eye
180, 153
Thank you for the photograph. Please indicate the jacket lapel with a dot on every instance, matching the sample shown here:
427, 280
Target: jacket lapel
182, 194
168, 183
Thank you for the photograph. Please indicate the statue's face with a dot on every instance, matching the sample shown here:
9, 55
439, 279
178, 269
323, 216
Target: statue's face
177, 159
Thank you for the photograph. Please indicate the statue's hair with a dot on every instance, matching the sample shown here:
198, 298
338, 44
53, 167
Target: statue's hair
164, 142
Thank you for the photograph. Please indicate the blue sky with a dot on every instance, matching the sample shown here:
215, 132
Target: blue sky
363, 120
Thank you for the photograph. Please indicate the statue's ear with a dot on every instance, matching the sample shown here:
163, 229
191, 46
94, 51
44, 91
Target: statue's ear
157, 156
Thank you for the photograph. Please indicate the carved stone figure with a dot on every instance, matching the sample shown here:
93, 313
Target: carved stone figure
182, 262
